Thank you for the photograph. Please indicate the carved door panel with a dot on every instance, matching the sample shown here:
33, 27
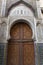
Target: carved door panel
13, 54
29, 54
20, 46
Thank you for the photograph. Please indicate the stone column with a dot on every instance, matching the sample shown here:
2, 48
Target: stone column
36, 53
3, 41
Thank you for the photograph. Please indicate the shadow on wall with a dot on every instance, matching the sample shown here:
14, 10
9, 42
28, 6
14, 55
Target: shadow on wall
41, 11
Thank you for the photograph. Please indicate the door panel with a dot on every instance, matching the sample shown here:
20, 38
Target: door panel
28, 54
27, 32
13, 54
15, 31
21, 51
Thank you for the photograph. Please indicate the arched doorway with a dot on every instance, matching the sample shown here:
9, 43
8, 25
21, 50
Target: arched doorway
21, 45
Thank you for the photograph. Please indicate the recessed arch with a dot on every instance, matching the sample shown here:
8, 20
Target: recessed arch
20, 2
20, 45
23, 20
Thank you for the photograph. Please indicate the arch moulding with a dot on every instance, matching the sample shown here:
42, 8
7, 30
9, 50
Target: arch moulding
26, 20
18, 13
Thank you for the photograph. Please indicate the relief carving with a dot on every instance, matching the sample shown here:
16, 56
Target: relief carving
3, 28
39, 32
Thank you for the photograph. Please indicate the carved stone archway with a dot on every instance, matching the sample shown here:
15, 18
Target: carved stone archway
21, 12
21, 44
26, 20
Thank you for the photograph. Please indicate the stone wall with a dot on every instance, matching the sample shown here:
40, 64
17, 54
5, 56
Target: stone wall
7, 18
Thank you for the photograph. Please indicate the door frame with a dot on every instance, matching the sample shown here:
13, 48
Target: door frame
27, 21
32, 27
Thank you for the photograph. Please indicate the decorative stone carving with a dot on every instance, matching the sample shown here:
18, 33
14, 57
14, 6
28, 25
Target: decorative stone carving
3, 30
21, 10
40, 32
3, 10
11, 2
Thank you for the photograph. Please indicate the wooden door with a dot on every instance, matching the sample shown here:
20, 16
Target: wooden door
21, 46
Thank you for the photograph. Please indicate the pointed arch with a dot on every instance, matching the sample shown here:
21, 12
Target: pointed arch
20, 2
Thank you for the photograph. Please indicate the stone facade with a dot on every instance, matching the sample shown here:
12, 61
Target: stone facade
12, 10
